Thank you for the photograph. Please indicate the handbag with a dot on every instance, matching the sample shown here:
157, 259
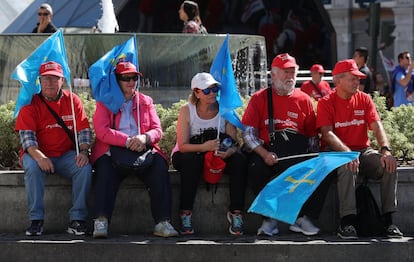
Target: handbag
284, 142
130, 160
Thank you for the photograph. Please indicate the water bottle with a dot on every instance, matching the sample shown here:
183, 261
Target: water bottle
225, 144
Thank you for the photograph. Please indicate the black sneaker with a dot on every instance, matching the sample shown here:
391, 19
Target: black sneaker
77, 227
347, 232
393, 232
35, 229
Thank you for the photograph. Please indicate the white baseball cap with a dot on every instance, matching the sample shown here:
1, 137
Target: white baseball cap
47, 7
203, 81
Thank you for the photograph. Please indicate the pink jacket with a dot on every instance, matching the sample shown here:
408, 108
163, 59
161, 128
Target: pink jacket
106, 136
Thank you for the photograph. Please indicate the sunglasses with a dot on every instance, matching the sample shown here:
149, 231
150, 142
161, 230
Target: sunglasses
128, 78
213, 89
42, 14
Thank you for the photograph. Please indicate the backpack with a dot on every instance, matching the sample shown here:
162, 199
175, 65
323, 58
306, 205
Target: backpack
369, 220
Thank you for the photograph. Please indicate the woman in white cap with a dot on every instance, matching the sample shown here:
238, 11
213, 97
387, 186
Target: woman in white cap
44, 16
197, 127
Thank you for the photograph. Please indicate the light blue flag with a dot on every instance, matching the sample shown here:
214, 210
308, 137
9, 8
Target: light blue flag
283, 197
27, 72
102, 74
228, 97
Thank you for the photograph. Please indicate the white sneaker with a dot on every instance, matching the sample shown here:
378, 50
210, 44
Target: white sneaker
305, 226
165, 229
100, 229
269, 227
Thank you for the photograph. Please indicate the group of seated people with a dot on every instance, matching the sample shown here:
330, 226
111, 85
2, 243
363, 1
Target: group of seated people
279, 121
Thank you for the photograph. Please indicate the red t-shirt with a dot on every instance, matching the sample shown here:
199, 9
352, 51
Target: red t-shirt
294, 111
51, 137
349, 118
309, 88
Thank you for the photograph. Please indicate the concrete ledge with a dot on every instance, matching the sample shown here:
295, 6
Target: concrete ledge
296, 248
132, 210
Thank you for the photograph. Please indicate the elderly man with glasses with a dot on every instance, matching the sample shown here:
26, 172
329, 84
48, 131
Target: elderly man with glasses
44, 15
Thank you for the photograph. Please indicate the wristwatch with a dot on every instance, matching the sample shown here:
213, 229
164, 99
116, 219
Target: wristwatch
386, 148
85, 151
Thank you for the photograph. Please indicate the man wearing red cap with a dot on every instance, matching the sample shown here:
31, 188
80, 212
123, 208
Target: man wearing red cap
290, 121
316, 87
343, 118
46, 129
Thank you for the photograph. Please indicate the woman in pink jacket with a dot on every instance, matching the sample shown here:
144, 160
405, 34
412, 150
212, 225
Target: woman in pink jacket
122, 130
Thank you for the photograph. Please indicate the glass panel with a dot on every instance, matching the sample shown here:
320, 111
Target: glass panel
168, 61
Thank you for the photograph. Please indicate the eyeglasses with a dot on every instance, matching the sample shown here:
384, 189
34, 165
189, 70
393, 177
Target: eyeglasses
213, 89
42, 14
128, 78
53, 79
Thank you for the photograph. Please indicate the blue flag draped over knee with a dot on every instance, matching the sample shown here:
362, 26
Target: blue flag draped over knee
102, 74
283, 197
27, 72
228, 97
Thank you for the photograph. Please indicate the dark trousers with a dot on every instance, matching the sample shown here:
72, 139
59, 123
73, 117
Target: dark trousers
190, 166
155, 178
259, 174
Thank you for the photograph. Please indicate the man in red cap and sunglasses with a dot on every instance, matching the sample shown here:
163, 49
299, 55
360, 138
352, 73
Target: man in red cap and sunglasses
344, 118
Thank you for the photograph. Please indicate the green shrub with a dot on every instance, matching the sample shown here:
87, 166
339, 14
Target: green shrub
9, 140
398, 124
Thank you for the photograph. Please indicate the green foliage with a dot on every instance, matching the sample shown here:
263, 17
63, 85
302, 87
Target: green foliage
398, 124
9, 140
168, 118
399, 127
89, 104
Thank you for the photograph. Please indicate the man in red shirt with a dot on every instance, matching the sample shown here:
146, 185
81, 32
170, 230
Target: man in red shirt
316, 87
48, 149
293, 125
343, 118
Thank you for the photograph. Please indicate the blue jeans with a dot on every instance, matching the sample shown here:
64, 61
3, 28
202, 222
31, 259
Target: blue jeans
65, 166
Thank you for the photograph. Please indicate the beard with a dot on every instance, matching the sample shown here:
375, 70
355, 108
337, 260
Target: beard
284, 88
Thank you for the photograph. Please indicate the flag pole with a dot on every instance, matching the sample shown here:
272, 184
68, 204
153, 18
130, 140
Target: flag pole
73, 118
297, 156
385, 66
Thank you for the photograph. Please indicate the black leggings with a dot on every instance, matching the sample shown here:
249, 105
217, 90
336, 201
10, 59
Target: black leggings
190, 166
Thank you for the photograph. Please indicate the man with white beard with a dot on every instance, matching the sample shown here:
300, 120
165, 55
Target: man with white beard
285, 128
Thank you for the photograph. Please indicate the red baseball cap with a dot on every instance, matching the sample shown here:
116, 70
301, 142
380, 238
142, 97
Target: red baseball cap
347, 65
317, 68
126, 68
213, 168
51, 68
284, 61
